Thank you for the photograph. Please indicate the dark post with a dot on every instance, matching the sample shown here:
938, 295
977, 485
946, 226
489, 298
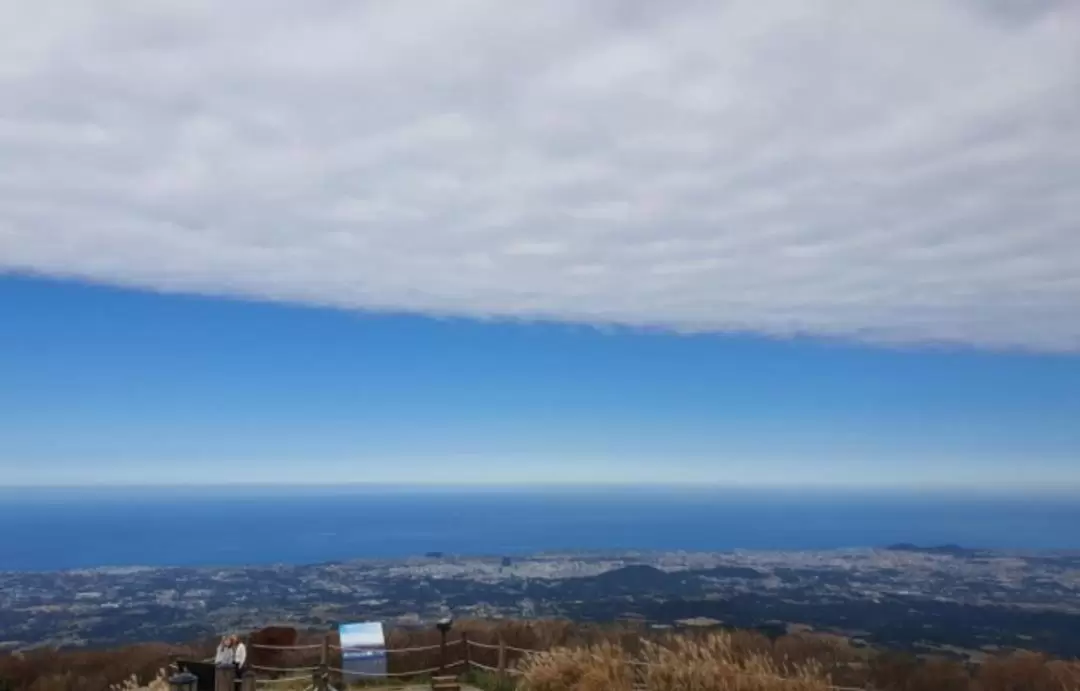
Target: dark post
444, 628
502, 661
465, 651
247, 681
442, 652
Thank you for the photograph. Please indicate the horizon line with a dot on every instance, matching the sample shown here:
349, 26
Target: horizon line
1009, 488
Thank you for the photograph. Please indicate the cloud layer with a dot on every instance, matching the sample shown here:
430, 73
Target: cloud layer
901, 172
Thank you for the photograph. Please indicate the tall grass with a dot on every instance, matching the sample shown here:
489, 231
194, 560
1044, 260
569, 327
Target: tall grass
158, 683
678, 663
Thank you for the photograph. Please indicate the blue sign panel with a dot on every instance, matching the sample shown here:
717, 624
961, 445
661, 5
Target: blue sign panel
363, 651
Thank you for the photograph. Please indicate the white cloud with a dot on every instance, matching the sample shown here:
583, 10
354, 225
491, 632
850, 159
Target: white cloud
880, 171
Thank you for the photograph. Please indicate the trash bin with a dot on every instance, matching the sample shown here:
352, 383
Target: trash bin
184, 681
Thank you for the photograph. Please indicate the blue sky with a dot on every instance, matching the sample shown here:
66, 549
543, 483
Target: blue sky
106, 385
469, 241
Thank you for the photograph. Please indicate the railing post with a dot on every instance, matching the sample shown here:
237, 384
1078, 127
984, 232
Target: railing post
224, 678
465, 651
324, 665
247, 680
502, 661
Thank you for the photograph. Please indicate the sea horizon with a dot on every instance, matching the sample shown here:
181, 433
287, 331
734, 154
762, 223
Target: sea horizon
50, 529
955, 490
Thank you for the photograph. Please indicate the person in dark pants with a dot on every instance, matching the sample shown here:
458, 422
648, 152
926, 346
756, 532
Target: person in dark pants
239, 656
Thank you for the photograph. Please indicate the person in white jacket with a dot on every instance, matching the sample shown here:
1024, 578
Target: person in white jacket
239, 655
225, 653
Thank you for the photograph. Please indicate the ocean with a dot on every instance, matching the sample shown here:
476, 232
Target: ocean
53, 529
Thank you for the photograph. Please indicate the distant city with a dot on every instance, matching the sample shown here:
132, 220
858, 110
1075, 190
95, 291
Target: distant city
940, 599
